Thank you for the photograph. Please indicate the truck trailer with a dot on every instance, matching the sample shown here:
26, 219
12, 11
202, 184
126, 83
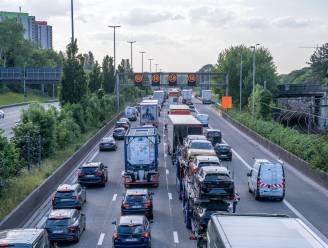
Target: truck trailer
186, 96
149, 112
206, 96
141, 157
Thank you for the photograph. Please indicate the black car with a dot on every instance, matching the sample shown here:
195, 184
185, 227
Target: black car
93, 173
223, 151
132, 231
69, 196
137, 201
107, 143
119, 133
65, 225
24, 238
214, 135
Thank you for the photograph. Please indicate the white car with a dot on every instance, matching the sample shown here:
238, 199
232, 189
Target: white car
2, 114
203, 118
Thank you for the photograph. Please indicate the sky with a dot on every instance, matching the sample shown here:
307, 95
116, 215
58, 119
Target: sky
183, 35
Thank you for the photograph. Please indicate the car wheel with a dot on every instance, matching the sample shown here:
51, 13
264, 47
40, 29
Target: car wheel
77, 238
257, 197
249, 188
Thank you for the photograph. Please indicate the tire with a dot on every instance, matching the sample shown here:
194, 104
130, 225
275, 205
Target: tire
249, 188
77, 238
257, 198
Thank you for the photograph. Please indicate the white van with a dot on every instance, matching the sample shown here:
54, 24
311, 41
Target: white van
203, 118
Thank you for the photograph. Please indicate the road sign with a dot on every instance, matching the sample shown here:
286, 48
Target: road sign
172, 78
155, 79
192, 79
138, 78
226, 102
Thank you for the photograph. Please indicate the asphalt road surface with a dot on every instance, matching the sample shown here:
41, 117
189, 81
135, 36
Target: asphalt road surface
304, 198
13, 114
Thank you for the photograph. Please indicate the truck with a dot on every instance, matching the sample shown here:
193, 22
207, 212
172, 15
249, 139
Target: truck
149, 112
186, 96
259, 230
179, 109
206, 96
160, 96
131, 113
173, 96
141, 157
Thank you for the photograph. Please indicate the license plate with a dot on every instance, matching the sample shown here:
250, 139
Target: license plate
131, 240
136, 206
58, 231
90, 176
65, 200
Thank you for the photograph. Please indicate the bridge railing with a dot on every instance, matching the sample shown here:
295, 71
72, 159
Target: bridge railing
301, 88
40, 75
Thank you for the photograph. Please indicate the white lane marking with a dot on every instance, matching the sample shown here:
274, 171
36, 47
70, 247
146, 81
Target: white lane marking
101, 239
122, 173
175, 237
114, 197
94, 155
167, 172
170, 196
42, 223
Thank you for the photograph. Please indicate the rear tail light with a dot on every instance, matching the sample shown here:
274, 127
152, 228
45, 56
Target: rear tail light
72, 229
77, 197
147, 204
125, 176
99, 173
5, 245
125, 205
81, 174
146, 235
115, 236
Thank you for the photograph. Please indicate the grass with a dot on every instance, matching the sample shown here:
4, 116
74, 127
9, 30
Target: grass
22, 185
13, 97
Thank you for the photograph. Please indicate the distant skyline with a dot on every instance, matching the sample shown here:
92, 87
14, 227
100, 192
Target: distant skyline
183, 35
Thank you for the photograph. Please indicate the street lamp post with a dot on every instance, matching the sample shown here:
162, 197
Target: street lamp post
142, 54
117, 81
156, 66
254, 69
241, 81
150, 64
131, 42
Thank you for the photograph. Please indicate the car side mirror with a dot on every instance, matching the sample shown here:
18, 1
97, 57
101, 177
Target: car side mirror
249, 174
152, 193
114, 222
106, 166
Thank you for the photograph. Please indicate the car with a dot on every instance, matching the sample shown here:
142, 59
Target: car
24, 237
192, 108
192, 137
2, 114
131, 113
223, 151
137, 201
214, 135
266, 179
123, 124
93, 173
123, 119
107, 143
65, 225
69, 196
203, 118
201, 161
199, 147
119, 133
132, 231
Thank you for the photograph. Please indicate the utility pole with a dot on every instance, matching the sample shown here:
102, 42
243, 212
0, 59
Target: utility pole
150, 65
72, 20
142, 64
156, 66
254, 70
241, 82
117, 83
131, 43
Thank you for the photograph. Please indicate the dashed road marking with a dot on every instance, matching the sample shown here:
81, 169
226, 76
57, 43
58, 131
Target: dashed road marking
175, 237
170, 196
167, 172
101, 239
114, 197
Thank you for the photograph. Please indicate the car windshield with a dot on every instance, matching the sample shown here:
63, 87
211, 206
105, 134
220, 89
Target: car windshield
201, 164
119, 130
216, 177
136, 229
201, 145
89, 170
213, 134
66, 194
136, 198
107, 139
58, 222
224, 148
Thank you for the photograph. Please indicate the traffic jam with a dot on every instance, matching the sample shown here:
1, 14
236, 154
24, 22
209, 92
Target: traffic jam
204, 183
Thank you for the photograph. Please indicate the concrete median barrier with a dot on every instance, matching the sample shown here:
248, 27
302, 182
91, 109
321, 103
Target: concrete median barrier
23, 212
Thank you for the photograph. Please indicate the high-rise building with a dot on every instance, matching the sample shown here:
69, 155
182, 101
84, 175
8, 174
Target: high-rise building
39, 32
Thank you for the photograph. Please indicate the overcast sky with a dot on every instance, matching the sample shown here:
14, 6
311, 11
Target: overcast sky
183, 35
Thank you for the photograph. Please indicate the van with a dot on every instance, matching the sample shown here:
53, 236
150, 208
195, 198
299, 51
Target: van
28, 238
203, 118
266, 179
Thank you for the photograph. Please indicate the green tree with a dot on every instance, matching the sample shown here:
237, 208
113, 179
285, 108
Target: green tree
229, 62
108, 74
262, 99
74, 80
319, 63
95, 78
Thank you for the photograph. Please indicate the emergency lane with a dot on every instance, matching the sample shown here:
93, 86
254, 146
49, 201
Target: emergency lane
304, 198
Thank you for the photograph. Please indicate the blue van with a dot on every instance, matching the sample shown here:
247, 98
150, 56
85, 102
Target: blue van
266, 179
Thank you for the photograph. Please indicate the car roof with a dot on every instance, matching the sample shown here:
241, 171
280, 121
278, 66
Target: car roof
215, 169
222, 144
123, 119
137, 192
131, 219
196, 137
213, 130
202, 114
121, 122
200, 141
108, 138
208, 159
66, 187
19, 235
266, 161
119, 128
91, 164
61, 213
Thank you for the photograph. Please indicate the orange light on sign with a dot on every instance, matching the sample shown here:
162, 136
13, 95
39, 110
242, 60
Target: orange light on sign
155, 78
172, 79
192, 78
138, 78
226, 102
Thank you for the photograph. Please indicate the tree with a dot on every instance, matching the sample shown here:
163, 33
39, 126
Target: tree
229, 62
319, 63
95, 78
74, 80
108, 74
124, 66
263, 99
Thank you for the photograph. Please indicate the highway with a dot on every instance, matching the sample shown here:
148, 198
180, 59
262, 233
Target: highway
304, 198
13, 114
